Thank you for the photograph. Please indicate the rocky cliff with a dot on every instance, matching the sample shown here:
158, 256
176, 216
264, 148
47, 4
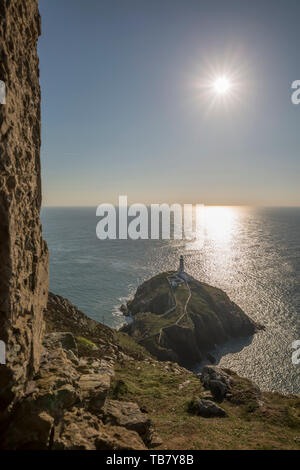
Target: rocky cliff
183, 323
23, 253
68, 404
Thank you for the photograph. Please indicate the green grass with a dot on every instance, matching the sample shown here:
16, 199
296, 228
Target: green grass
130, 346
87, 343
155, 387
146, 382
150, 324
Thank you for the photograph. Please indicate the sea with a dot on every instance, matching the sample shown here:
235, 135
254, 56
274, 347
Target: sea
253, 254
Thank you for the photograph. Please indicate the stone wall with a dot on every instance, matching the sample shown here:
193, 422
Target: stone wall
23, 253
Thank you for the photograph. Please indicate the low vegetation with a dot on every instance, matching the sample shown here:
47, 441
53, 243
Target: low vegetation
169, 394
87, 343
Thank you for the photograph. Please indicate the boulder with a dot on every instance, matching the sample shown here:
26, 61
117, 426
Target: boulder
217, 381
118, 438
126, 414
80, 430
66, 396
77, 430
218, 390
224, 383
208, 409
94, 389
63, 340
30, 431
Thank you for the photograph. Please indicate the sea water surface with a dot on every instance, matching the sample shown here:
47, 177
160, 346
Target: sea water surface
252, 254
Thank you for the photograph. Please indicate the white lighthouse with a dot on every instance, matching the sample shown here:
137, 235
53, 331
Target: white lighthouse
181, 265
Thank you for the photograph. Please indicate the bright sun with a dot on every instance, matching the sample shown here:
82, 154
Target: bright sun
222, 85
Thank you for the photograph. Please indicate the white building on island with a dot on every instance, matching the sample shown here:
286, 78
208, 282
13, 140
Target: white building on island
178, 278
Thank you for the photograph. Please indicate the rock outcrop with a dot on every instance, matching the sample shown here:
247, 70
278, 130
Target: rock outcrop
63, 407
23, 253
184, 323
66, 405
208, 409
129, 415
218, 381
225, 384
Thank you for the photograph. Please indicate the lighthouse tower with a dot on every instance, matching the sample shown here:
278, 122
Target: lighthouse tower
181, 265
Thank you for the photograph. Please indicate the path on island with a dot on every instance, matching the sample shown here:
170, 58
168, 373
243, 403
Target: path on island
173, 297
170, 310
181, 317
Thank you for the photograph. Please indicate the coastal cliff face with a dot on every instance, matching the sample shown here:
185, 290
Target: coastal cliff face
68, 404
23, 252
184, 323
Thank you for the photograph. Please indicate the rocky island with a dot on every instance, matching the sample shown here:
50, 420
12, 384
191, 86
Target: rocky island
178, 318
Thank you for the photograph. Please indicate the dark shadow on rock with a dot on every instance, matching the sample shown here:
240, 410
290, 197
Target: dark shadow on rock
230, 347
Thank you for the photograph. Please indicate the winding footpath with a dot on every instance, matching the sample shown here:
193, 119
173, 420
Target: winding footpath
186, 304
170, 310
173, 308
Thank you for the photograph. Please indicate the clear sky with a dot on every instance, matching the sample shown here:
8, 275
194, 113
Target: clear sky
127, 107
